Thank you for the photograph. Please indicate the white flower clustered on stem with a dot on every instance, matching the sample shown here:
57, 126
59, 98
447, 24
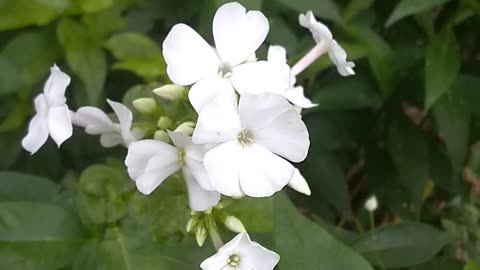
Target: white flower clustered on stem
53, 115
241, 254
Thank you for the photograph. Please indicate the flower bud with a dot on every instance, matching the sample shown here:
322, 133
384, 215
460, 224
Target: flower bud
192, 223
201, 235
186, 128
234, 224
161, 135
164, 122
371, 204
171, 92
299, 183
145, 105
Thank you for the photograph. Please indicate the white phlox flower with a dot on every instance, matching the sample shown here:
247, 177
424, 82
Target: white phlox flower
150, 162
294, 94
241, 254
53, 115
96, 122
252, 138
325, 43
221, 70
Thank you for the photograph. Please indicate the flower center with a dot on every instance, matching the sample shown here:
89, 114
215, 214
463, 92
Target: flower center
233, 260
245, 137
225, 70
181, 156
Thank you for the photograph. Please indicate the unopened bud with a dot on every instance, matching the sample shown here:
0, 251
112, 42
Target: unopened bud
234, 224
164, 122
299, 183
192, 223
371, 204
186, 128
161, 135
145, 105
200, 235
171, 92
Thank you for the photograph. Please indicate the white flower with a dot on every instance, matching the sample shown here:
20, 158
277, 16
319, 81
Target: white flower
150, 162
325, 43
96, 122
53, 116
241, 254
293, 94
217, 72
252, 138
298, 183
371, 204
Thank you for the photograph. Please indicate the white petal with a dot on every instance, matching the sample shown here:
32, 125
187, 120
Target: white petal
125, 118
263, 173
55, 87
94, 120
139, 153
286, 136
299, 183
254, 256
188, 56
38, 128
208, 89
238, 33
339, 58
223, 167
59, 124
179, 139
257, 111
277, 54
217, 122
111, 139
199, 198
158, 168
260, 77
197, 169
319, 30
295, 96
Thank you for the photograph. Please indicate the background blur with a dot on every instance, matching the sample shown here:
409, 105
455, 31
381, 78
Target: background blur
403, 128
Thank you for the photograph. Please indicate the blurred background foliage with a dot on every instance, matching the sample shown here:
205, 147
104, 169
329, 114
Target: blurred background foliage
405, 128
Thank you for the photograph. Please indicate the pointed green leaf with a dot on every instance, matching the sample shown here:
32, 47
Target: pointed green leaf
410, 7
24, 187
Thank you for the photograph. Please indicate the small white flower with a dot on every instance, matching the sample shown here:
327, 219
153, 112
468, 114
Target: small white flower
294, 94
298, 183
325, 43
53, 116
150, 162
371, 204
252, 138
221, 71
241, 254
96, 122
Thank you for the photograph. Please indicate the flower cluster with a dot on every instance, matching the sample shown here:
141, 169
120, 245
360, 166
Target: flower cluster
249, 127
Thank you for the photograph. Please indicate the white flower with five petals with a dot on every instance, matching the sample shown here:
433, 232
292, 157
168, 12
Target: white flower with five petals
53, 116
96, 122
219, 72
294, 94
325, 43
150, 162
252, 138
241, 254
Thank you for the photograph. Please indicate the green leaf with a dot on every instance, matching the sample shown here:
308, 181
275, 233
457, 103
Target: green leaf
325, 9
24, 187
303, 244
93, 5
9, 78
103, 194
441, 67
404, 141
401, 245
85, 57
37, 236
410, 7
256, 214
21, 13
355, 7
132, 45
472, 265
453, 120
149, 69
